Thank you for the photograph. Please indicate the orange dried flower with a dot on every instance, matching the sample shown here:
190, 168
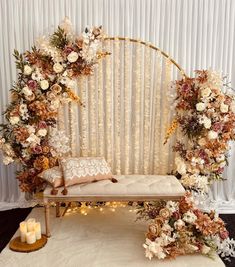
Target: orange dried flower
41, 163
21, 134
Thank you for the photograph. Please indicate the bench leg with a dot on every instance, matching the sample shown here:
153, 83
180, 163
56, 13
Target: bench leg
67, 207
47, 215
57, 209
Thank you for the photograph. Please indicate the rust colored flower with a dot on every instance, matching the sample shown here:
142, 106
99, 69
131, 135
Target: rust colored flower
53, 162
203, 224
154, 229
41, 163
202, 75
21, 134
45, 149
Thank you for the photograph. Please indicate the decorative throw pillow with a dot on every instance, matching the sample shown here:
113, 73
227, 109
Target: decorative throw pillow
85, 170
54, 177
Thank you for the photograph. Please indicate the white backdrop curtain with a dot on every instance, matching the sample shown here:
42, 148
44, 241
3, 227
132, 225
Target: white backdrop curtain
196, 33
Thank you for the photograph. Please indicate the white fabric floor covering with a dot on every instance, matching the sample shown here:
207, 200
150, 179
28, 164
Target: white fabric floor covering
100, 239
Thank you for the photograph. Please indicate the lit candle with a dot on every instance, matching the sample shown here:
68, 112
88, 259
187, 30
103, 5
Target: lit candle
30, 237
37, 229
30, 224
23, 231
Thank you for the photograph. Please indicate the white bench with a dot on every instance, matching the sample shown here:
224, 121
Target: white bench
128, 188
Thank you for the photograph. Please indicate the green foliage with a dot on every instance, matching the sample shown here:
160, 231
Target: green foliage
59, 38
19, 60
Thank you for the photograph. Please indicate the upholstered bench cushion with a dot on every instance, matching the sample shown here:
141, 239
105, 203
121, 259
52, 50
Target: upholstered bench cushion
128, 187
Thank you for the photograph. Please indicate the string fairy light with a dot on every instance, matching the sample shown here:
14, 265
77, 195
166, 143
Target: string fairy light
117, 110
146, 136
137, 109
157, 106
127, 106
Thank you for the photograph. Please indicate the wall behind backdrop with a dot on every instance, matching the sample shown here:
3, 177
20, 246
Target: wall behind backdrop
198, 34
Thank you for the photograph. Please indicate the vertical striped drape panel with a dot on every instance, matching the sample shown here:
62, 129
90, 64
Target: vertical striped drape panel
196, 33
127, 110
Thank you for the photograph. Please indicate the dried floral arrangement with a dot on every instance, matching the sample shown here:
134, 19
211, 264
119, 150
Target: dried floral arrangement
46, 77
179, 228
205, 114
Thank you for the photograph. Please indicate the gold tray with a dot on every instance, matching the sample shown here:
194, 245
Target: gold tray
16, 245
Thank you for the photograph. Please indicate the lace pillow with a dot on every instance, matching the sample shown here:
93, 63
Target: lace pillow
84, 170
53, 176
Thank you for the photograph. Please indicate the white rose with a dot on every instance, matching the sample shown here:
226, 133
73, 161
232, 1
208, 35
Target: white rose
179, 224
207, 123
180, 166
206, 92
44, 84
57, 68
72, 57
212, 135
42, 132
7, 160
205, 249
200, 106
220, 158
14, 120
26, 91
54, 104
189, 217
223, 108
27, 70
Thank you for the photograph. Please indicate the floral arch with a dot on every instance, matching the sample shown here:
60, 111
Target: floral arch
204, 110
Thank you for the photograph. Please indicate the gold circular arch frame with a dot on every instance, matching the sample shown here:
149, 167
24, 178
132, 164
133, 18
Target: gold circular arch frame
151, 46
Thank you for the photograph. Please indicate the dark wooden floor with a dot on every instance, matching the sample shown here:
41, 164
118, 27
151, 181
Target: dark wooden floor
10, 219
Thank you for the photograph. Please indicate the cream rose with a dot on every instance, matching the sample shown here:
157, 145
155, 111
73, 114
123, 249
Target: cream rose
14, 120
223, 108
200, 106
27, 70
189, 217
180, 166
26, 91
179, 224
220, 158
207, 123
42, 132
205, 92
212, 135
57, 68
44, 84
72, 57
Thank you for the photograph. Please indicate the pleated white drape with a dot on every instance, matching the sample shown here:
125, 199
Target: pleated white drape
196, 33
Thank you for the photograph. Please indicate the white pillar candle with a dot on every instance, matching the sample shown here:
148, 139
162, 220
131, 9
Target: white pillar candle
23, 231
30, 224
37, 229
30, 237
